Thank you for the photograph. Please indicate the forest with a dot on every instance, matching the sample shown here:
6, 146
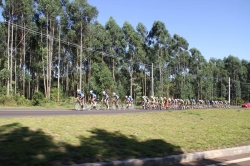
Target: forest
52, 48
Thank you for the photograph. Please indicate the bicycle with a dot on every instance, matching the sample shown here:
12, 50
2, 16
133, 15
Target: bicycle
91, 106
114, 106
127, 105
78, 105
103, 105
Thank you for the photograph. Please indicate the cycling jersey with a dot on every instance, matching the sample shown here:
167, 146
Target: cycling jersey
105, 96
116, 96
144, 98
80, 94
130, 99
93, 96
153, 99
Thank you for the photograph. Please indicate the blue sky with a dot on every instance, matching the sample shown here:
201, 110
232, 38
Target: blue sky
218, 28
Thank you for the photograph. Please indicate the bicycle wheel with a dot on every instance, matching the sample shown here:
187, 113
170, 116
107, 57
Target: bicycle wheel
78, 106
97, 107
87, 106
124, 106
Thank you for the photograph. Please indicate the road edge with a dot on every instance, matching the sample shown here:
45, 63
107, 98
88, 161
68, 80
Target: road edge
173, 159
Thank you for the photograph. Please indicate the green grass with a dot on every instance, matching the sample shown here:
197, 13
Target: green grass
96, 138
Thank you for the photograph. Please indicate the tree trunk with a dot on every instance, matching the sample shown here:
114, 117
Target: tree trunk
160, 70
43, 62
30, 73
24, 59
80, 86
50, 61
131, 76
47, 66
58, 72
113, 69
11, 57
8, 54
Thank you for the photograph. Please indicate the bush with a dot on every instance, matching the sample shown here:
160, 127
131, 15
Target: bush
22, 101
38, 98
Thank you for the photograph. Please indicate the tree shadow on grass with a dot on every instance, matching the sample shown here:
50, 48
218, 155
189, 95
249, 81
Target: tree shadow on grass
20, 145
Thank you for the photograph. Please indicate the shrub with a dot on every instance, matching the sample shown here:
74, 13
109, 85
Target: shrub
38, 97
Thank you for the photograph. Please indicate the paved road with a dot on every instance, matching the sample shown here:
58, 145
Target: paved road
7, 113
236, 160
24, 112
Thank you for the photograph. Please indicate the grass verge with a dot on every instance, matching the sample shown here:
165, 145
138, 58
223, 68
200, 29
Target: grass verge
96, 138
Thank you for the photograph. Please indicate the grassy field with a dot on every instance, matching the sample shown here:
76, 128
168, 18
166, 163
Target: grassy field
95, 138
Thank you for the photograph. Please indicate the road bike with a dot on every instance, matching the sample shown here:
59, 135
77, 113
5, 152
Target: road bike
78, 105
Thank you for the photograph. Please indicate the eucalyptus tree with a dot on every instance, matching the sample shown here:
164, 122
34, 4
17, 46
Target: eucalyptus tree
81, 14
26, 13
197, 63
245, 84
234, 69
50, 10
134, 49
180, 57
158, 41
4, 71
10, 15
220, 78
14, 12
143, 33
117, 47
101, 40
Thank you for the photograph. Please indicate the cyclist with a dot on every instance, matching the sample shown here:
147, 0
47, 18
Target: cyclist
152, 101
193, 103
161, 102
92, 98
80, 97
130, 100
105, 99
116, 99
144, 101
208, 103
126, 101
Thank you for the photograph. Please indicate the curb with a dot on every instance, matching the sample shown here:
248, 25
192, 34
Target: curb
189, 157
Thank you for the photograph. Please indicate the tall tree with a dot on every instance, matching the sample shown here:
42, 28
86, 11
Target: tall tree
159, 38
117, 47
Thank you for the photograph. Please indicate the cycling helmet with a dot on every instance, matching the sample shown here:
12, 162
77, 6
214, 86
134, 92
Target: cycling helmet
78, 90
114, 93
103, 92
129, 96
126, 96
91, 91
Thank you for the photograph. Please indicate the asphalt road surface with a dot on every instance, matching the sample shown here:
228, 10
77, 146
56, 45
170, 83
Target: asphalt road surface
27, 112
7, 113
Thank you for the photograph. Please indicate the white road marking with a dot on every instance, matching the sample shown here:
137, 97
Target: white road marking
231, 162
